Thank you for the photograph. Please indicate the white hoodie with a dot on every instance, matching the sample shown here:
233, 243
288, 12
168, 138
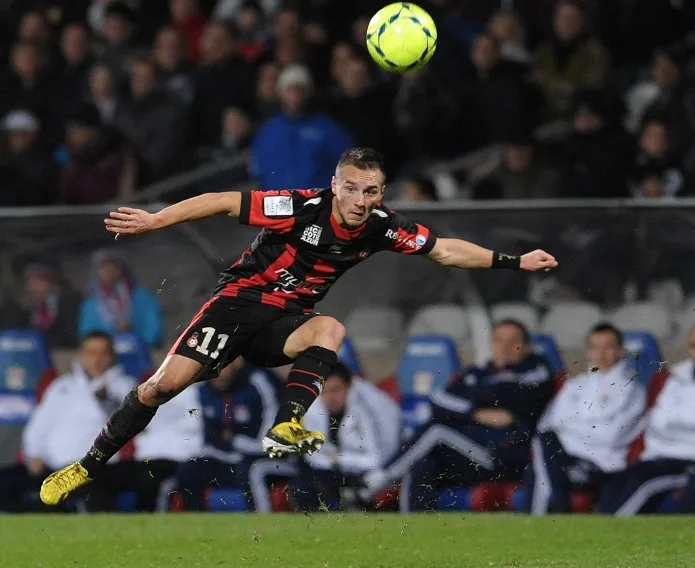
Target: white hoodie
671, 423
597, 415
70, 416
363, 442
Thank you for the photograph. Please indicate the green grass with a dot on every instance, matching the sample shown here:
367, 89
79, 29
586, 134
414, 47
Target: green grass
339, 540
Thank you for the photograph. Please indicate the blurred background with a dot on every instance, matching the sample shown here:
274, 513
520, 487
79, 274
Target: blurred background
562, 124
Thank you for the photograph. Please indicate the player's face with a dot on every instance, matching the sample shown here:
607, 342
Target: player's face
508, 347
356, 193
604, 351
691, 344
334, 395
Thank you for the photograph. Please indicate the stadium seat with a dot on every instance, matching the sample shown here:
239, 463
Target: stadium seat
646, 316
450, 320
227, 500
26, 370
644, 355
545, 345
455, 499
427, 365
348, 356
374, 328
525, 313
569, 322
133, 355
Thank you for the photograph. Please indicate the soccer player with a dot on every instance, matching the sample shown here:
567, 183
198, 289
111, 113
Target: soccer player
262, 306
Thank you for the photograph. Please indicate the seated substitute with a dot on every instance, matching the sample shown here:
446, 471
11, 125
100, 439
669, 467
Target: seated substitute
667, 462
357, 441
584, 437
481, 427
237, 408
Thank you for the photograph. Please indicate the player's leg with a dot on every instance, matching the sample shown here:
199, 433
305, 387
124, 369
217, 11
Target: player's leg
312, 343
686, 503
551, 487
132, 417
213, 338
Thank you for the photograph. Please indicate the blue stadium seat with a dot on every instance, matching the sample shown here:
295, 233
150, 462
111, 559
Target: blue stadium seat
545, 345
127, 501
456, 499
227, 500
348, 356
25, 369
133, 355
427, 365
643, 354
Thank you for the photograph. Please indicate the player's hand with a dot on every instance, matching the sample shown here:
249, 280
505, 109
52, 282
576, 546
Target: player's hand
494, 417
537, 260
128, 221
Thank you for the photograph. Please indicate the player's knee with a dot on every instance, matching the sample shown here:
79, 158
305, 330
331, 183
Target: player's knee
329, 333
158, 389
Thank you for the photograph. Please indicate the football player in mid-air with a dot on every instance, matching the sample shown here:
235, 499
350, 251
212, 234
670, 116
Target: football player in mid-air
262, 306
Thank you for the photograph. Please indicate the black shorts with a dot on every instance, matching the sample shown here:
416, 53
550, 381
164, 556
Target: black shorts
226, 327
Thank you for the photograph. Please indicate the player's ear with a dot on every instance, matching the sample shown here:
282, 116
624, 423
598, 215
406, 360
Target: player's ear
334, 185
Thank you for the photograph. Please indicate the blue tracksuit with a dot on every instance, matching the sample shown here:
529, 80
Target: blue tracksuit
290, 153
235, 420
454, 450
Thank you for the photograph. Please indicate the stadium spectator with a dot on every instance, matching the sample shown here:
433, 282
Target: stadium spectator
253, 31
236, 409
176, 73
584, 437
75, 47
30, 85
187, 17
418, 190
52, 305
116, 45
118, 303
154, 122
102, 92
359, 438
656, 172
99, 167
267, 101
507, 30
481, 425
360, 107
522, 174
224, 80
501, 100
26, 170
596, 157
669, 448
73, 409
298, 147
225, 9
573, 59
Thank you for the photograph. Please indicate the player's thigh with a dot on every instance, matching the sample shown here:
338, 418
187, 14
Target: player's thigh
266, 347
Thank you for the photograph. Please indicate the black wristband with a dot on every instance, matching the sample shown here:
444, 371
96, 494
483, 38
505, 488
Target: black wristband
500, 260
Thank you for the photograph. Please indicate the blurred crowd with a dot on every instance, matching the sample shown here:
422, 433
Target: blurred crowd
100, 98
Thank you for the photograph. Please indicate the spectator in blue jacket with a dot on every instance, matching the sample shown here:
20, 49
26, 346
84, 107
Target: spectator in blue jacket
237, 409
298, 147
481, 425
118, 304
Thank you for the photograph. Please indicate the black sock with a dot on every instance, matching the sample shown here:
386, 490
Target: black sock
305, 381
131, 418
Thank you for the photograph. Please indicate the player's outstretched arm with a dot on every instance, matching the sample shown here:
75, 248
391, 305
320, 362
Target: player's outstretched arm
129, 221
462, 254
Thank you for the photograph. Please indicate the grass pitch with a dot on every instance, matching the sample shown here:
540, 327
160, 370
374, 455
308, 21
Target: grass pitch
345, 540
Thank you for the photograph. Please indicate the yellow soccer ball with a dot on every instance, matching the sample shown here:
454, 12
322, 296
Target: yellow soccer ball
401, 37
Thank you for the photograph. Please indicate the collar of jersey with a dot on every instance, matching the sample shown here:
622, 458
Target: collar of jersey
342, 232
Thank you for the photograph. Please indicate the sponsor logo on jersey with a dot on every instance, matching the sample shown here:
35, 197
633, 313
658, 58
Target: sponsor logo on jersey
312, 234
193, 341
277, 205
415, 243
364, 254
288, 283
335, 249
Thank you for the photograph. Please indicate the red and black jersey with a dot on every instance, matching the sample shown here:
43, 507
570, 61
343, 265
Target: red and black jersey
302, 250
